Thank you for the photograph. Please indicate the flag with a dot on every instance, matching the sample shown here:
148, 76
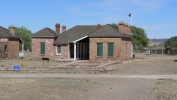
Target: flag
129, 15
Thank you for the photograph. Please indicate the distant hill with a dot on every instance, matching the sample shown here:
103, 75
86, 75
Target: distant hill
156, 42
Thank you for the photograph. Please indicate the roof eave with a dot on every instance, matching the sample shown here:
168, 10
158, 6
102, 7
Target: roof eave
42, 36
110, 37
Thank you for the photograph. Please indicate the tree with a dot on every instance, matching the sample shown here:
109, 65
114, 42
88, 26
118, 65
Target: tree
171, 44
25, 35
114, 24
139, 37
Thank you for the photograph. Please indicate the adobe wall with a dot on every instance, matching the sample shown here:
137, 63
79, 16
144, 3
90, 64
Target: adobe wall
13, 48
93, 47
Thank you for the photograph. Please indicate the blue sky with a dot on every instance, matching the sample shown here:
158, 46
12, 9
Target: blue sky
157, 17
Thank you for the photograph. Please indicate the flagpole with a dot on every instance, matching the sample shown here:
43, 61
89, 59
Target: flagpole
132, 55
131, 18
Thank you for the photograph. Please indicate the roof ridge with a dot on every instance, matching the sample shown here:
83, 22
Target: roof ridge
106, 29
86, 25
45, 32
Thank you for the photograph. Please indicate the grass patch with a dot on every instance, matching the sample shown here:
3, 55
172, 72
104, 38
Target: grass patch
165, 89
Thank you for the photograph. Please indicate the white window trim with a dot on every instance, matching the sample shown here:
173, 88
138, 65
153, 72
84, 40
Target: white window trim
57, 50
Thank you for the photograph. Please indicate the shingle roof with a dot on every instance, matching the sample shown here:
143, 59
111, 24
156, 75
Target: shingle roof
80, 31
160, 46
5, 33
75, 33
108, 31
46, 32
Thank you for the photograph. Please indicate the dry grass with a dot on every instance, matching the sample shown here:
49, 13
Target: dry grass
43, 88
165, 89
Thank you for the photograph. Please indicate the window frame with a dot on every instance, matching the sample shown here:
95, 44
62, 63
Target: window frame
41, 48
57, 50
108, 49
97, 49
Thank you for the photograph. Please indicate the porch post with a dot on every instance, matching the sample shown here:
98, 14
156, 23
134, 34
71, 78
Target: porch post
68, 51
77, 50
74, 51
22, 48
155, 51
132, 50
84, 50
80, 50
162, 51
149, 51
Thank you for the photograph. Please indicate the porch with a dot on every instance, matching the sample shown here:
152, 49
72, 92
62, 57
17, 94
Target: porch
79, 49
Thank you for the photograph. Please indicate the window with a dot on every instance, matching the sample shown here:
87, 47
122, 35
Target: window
58, 50
99, 49
110, 49
42, 48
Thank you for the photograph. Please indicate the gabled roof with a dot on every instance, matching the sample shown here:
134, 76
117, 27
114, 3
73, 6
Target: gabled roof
161, 46
75, 33
5, 33
108, 31
81, 31
46, 32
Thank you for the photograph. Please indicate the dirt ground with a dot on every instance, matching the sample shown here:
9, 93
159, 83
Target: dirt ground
100, 88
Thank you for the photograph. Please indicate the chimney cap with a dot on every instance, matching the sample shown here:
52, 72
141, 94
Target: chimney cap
12, 26
125, 24
98, 26
63, 26
57, 25
121, 22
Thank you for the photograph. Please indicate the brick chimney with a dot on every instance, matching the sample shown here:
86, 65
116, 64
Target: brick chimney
12, 30
125, 28
98, 26
121, 26
57, 27
63, 28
